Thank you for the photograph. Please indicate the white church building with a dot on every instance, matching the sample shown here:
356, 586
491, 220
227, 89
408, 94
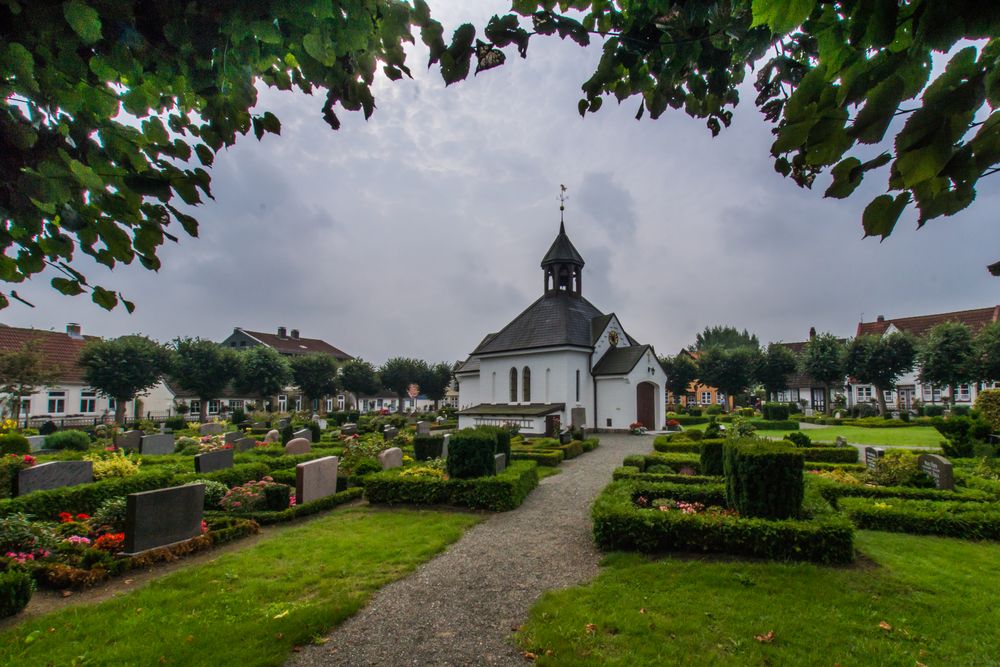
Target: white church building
564, 359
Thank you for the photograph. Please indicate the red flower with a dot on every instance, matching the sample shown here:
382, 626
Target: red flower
82, 517
65, 517
204, 527
29, 459
110, 541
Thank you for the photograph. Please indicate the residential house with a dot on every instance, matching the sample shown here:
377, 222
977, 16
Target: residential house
806, 390
698, 394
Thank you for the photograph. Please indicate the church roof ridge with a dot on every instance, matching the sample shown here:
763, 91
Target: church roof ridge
553, 319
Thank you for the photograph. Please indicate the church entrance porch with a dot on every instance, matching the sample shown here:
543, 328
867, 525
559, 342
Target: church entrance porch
645, 405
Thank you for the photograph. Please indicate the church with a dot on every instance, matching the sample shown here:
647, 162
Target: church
562, 360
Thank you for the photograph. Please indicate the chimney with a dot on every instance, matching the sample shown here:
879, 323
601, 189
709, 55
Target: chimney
295, 334
880, 318
73, 330
282, 332
812, 332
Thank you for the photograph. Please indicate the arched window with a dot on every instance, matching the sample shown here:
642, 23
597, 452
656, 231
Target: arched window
526, 385
578, 385
513, 385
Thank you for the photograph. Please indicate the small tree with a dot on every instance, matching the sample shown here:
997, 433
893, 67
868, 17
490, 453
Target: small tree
203, 367
263, 372
988, 403
774, 367
725, 336
986, 348
946, 356
731, 371
436, 382
879, 361
681, 372
359, 377
122, 368
823, 359
24, 371
399, 373
315, 375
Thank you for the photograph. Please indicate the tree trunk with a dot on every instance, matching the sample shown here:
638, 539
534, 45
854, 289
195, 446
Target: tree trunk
203, 410
829, 401
15, 408
881, 401
120, 409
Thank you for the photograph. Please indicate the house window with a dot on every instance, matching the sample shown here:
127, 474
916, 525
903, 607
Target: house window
526, 385
513, 385
25, 407
340, 402
929, 393
329, 405
864, 394
720, 398
706, 397
214, 406
88, 401
298, 403
963, 392
578, 385
195, 407
235, 405
282, 402
57, 402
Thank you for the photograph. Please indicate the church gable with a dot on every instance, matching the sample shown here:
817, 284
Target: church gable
608, 334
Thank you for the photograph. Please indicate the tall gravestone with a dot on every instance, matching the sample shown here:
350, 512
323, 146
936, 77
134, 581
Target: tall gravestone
161, 443
128, 440
212, 428
163, 517
53, 475
578, 417
939, 469
444, 445
391, 458
499, 463
212, 461
316, 479
244, 445
872, 456
423, 428
298, 446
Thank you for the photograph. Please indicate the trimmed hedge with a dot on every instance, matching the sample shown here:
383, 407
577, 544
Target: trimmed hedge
629, 472
663, 443
571, 449
833, 491
590, 444
85, 498
774, 411
712, 457
239, 474
620, 525
846, 467
502, 436
543, 457
708, 494
967, 520
776, 424
426, 447
673, 461
497, 493
296, 511
637, 461
829, 454
763, 479
76, 440
689, 420
16, 587
470, 454
14, 443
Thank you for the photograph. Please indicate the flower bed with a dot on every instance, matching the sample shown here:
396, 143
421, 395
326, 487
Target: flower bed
498, 493
621, 523
966, 520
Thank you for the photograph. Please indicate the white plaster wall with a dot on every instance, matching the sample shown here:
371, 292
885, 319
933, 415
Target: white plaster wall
468, 391
561, 366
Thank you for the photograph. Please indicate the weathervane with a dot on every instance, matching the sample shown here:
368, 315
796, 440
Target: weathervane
562, 201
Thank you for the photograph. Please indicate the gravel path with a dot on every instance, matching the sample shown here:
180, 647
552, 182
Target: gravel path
461, 607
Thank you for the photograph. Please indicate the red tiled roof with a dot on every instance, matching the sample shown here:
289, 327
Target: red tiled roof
298, 345
57, 348
975, 319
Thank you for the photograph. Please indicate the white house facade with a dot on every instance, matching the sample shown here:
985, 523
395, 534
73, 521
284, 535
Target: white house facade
561, 360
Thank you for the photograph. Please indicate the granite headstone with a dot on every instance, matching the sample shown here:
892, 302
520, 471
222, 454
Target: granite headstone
939, 469
298, 446
53, 475
163, 517
500, 462
212, 428
161, 443
390, 432
423, 428
220, 459
305, 434
872, 456
444, 445
36, 442
272, 436
391, 458
129, 440
578, 417
349, 429
316, 479
244, 445
232, 436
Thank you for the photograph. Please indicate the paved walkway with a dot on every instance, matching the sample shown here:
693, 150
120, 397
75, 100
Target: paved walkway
461, 607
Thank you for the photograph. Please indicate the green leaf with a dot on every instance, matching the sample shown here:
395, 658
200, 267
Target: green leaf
873, 120
319, 48
87, 177
205, 154
67, 286
19, 61
846, 177
781, 16
882, 213
84, 20
106, 299
271, 123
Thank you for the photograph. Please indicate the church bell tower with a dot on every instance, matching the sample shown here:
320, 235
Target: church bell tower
562, 264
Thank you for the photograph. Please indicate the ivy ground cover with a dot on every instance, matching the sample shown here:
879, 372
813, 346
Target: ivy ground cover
912, 600
249, 607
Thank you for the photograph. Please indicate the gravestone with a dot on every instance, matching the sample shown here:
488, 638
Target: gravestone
305, 434
321, 423
349, 429
244, 445
212, 461
272, 436
163, 517
232, 436
939, 469
423, 428
841, 441
129, 440
390, 432
213, 428
391, 458
578, 417
316, 479
444, 445
53, 475
36, 442
258, 425
500, 462
872, 455
157, 444
565, 437
282, 423
298, 446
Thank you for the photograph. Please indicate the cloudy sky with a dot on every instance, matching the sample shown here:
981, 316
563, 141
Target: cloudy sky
419, 231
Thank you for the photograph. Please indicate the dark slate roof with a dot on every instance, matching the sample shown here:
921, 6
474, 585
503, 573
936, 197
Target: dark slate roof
620, 360
470, 365
503, 410
562, 250
289, 345
598, 325
557, 318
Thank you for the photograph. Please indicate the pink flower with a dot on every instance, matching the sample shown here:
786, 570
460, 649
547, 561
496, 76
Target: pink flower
77, 539
204, 527
291, 500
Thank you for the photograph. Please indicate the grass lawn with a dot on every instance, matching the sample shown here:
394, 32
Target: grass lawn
935, 596
907, 436
248, 607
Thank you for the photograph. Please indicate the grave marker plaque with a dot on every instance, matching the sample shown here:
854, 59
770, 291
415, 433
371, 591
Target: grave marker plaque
213, 428
163, 517
939, 469
272, 436
212, 461
444, 445
872, 455
232, 436
316, 479
578, 417
36, 442
244, 445
390, 432
423, 428
349, 429
129, 440
53, 475
500, 462
157, 444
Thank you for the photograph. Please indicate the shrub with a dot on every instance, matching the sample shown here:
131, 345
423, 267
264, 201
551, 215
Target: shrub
83, 497
19, 533
571, 449
314, 430
286, 433
14, 443
833, 492
745, 412
712, 457
763, 479
77, 440
175, 423
663, 443
277, 497
713, 430
113, 464
238, 474
296, 511
712, 410
214, 492
367, 467
933, 410
829, 454
988, 404
427, 447
590, 444
498, 493
48, 428
694, 435
899, 468
635, 461
774, 411
112, 512
800, 439
543, 457
696, 412
502, 435
16, 587
960, 410
470, 454
961, 434
775, 424
741, 427
967, 520
628, 472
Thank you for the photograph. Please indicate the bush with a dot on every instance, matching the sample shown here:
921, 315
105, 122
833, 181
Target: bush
745, 412
115, 464
84, 498
277, 497
628, 472
426, 447
962, 433
713, 430
829, 454
988, 404
775, 424
286, 433
502, 436
712, 457
214, 492
676, 462
834, 491
774, 411
694, 435
932, 411
470, 454
366, 467
799, 439
77, 440
238, 474
498, 493
635, 461
314, 430
696, 412
590, 444
960, 410
48, 428
713, 410
14, 443
16, 587
544, 457
663, 443
112, 512
296, 511
620, 525
763, 479
175, 423
966, 520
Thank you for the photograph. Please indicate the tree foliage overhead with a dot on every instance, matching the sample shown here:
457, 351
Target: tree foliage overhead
122, 368
724, 336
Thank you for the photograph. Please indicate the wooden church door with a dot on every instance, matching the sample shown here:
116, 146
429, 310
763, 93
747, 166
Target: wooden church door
645, 405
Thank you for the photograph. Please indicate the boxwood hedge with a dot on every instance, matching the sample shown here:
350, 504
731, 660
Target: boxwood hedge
833, 492
84, 498
629, 472
543, 457
967, 520
763, 479
498, 493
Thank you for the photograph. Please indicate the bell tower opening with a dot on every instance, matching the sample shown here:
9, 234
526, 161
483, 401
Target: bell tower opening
562, 264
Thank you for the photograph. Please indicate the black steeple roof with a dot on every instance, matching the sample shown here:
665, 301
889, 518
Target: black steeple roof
562, 251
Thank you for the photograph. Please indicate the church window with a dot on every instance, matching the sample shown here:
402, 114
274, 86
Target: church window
578, 385
513, 385
526, 385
